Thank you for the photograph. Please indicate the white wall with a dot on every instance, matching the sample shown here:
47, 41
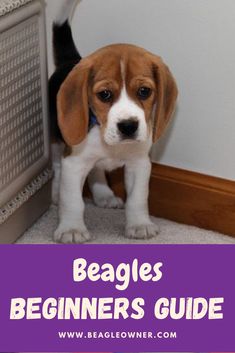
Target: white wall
197, 39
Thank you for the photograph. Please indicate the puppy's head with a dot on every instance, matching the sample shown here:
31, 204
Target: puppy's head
131, 91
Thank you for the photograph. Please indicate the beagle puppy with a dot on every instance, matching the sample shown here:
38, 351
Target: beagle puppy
108, 109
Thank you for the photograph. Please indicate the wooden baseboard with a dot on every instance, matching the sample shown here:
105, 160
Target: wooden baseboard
188, 197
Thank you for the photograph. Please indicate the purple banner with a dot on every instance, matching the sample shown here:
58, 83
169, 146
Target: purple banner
117, 298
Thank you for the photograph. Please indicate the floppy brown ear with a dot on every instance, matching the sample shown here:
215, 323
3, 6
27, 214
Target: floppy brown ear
72, 105
166, 97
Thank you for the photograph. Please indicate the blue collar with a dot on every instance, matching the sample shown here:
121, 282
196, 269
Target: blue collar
92, 120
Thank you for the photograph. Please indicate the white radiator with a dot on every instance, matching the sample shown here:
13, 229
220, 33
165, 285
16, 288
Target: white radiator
25, 172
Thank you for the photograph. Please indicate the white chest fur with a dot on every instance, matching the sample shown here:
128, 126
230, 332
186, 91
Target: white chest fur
109, 157
109, 164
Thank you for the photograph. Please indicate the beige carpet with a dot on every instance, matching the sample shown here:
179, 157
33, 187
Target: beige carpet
107, 227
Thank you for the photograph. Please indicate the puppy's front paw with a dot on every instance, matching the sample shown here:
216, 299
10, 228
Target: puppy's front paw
71, 236
109, 202
144, 231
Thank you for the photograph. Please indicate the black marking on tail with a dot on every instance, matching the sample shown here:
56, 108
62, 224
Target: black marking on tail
65, 50
66, 57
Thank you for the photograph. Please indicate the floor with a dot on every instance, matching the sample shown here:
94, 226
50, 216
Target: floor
107, 227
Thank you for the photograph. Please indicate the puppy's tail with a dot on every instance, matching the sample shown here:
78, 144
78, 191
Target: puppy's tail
64, 48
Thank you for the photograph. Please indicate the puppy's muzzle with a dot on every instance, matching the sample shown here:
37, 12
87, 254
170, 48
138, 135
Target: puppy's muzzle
128, 128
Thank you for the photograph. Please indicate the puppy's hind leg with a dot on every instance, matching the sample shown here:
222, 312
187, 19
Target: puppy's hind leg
57, 151
103, 196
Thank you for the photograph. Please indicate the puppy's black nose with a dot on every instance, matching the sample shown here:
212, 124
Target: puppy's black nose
128, 127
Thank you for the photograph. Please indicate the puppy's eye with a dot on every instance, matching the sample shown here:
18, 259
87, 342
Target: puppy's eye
144, 93
105, 96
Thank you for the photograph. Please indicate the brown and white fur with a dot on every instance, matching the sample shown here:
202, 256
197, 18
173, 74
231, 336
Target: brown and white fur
128, 125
